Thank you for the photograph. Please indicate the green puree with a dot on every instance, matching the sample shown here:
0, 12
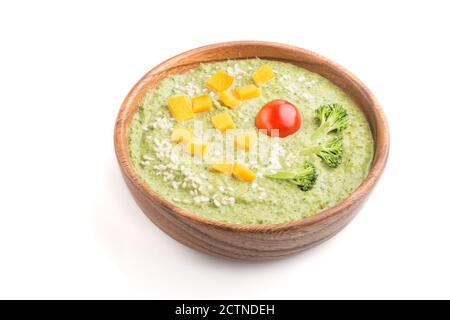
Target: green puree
188, 183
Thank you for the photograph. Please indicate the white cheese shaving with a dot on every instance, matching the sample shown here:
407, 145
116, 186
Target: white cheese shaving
162, 123
307, 96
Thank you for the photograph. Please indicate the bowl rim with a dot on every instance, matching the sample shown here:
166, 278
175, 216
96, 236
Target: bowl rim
381, 149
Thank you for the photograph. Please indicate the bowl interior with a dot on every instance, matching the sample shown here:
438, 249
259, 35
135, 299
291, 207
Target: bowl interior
251, 49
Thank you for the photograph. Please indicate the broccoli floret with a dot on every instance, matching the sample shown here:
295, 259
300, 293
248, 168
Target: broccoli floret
331, 117
304, 177
332, 151
329, 151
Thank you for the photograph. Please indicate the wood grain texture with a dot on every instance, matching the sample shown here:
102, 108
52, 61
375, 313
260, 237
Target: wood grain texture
251, 242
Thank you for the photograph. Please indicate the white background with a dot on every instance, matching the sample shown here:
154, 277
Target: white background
70, 229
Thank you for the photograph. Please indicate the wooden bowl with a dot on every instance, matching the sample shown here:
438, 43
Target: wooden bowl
251, 242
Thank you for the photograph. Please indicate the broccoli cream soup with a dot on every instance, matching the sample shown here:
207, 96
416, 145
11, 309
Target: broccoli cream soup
250, 142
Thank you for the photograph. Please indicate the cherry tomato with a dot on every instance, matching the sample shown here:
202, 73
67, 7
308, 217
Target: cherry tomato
281, 115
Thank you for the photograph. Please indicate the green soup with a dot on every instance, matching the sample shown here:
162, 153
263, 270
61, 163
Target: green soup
190, 184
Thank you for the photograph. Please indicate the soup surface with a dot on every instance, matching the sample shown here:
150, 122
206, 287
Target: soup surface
180, 169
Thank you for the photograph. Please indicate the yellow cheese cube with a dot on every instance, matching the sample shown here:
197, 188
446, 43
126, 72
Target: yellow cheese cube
181, 135
201, 103
229, 99
223, 121
220, 81
196, 148
245, 140
247, 92
243, 173
180, 107
263, 75
222, 167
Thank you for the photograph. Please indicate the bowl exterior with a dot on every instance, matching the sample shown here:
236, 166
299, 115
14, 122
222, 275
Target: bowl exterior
251, 242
